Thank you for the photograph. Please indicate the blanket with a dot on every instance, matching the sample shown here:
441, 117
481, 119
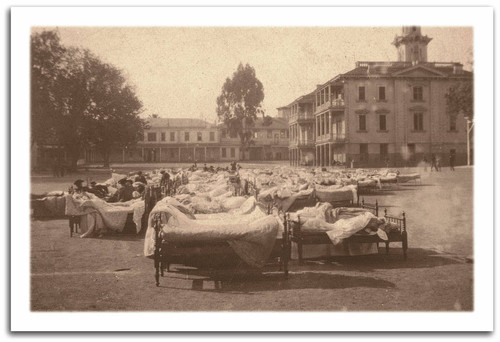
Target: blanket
113, 215
336, 193
252, 241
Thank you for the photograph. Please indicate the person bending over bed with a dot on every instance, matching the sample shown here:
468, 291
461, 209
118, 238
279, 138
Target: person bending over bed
80, 191
140, 178
124, 193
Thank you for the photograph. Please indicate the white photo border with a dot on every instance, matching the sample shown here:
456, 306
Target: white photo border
480, 18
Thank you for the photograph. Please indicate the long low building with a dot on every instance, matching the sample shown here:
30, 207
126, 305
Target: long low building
188, 140
381, 113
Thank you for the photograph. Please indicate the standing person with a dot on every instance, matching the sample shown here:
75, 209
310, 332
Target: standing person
425, 163
140, 178
387, 163
126, 193
452, 161
352, 163
438, 163
55, 168
434, 162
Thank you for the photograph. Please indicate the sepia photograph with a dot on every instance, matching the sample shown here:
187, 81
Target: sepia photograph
252, 168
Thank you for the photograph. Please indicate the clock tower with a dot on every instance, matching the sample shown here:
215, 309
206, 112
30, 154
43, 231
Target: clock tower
412, 45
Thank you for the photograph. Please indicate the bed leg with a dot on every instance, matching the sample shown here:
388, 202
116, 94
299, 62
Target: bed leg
299, 249
157, 272
405, 244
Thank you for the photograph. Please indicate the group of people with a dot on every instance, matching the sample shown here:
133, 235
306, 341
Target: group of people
233, 166
436, 162
128, 189
58, 167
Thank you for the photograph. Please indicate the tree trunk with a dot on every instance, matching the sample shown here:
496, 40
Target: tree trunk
105, 156
105, 152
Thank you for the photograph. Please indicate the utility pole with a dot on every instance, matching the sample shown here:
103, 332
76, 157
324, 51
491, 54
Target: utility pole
470, 125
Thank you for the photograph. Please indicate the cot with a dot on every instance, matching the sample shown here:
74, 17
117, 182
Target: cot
398, 232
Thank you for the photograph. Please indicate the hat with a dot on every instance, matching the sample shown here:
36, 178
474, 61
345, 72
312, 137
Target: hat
93, 183
78, 182
122, 181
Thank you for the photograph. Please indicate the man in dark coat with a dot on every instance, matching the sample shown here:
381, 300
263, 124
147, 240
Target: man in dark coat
140, 178
126, 193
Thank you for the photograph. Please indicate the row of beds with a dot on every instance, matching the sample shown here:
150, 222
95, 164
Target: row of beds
167, 253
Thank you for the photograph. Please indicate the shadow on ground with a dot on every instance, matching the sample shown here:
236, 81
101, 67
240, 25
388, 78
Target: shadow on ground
312, 274
250, 282
417, 258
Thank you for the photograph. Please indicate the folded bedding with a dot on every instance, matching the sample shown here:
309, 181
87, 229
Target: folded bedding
336, 193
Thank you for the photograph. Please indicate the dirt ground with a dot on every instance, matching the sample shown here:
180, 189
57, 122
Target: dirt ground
111, 273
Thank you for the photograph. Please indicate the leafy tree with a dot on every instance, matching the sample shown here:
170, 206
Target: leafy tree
58, 98
239, 104
267, 121
460, 99
113, 114
78, 101
46, 66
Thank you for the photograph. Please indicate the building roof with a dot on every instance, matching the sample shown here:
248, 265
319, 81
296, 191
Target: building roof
278, 123
365, 69
178, 123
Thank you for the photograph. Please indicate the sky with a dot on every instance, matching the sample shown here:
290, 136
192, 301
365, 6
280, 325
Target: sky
179, 72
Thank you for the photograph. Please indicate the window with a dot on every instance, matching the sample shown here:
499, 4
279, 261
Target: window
186, 136
233, 152
199, 136
233, 135
453, 123
151, 136
362, 122
384, 151
212, 136
418, 121
361, 93
382, 122
224, 155
381, 93
363, 152
162, 136
282, 134
172, 136
172, 154
269, 134
418, 94
223, 134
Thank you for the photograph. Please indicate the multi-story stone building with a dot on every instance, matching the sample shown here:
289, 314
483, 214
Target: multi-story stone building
270, 141
302, 129
388, 112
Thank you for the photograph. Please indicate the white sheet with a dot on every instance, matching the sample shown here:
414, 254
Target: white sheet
251, 237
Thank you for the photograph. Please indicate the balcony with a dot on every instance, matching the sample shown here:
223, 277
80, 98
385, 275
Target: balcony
337, 137
338, 103
334, 103
305, 142
331, 137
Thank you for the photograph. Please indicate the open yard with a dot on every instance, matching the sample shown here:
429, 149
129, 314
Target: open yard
111, 273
